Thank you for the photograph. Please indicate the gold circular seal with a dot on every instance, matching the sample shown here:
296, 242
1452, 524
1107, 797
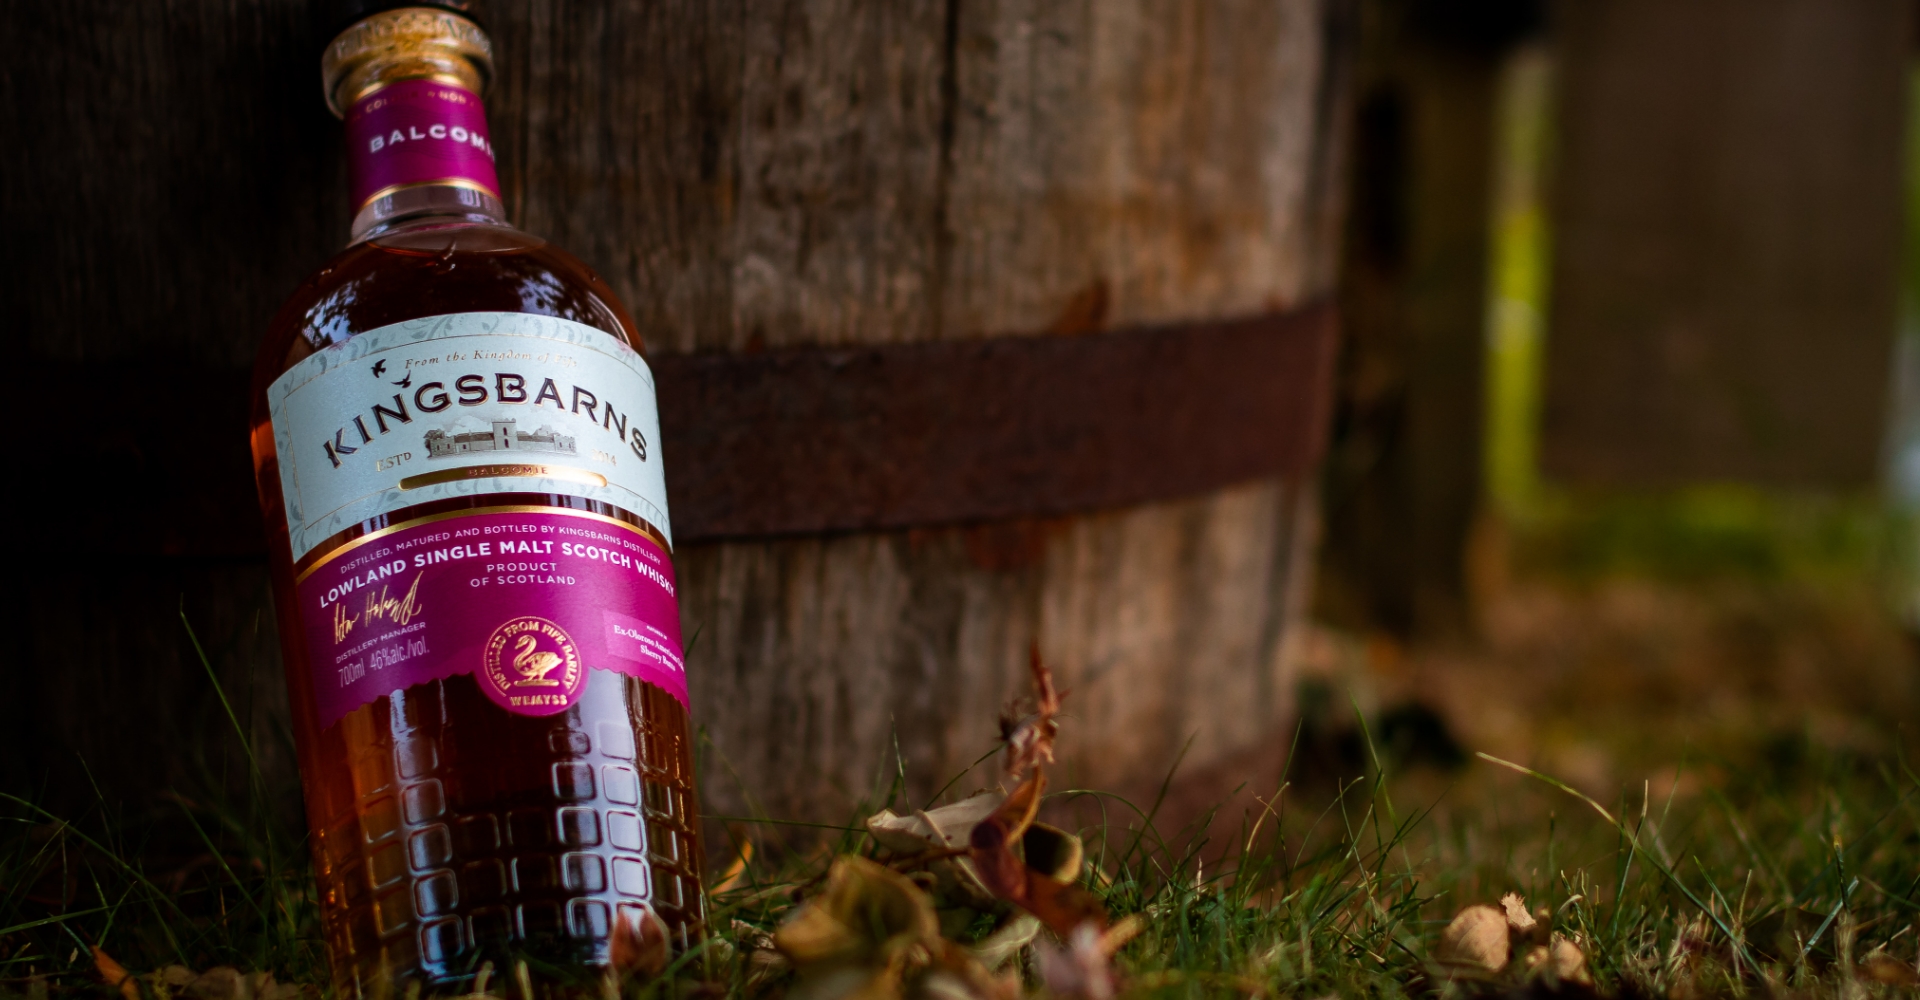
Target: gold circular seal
532, 666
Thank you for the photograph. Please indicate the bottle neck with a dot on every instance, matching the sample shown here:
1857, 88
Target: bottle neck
418, 147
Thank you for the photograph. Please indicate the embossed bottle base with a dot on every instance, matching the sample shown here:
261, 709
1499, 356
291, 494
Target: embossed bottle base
455, 832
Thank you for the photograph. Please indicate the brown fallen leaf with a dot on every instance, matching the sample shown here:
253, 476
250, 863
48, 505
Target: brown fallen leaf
872, 934
1083, 970
1518, 919
958, 972
934, 843
115, 975
1060, 903
999, 947
1884, 968
1569, 962
924, 830
764, 967
750, 937
1029, 736
764, 962
1475, 942
866, 913
1561, 959
990, 842
735, 871
221, 983
640, 946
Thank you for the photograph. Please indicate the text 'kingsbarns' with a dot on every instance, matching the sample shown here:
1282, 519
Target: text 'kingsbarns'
473, 390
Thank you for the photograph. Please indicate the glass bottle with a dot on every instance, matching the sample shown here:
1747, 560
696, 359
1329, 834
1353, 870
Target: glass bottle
457, 450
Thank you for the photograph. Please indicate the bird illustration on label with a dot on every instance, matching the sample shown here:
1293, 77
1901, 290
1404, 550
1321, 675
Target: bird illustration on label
519, 662
533, 663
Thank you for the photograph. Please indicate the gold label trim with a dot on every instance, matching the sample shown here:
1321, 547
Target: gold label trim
644, 531
504, 471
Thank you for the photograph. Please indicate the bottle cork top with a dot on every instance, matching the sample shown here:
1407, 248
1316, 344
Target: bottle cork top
405, 43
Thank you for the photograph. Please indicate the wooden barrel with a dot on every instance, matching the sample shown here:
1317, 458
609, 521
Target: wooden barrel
977, 325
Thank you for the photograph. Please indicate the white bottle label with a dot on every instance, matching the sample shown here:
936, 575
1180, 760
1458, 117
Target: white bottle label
464, 405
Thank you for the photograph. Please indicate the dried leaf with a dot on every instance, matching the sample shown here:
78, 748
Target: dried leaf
990, 843
1002, 873
866, 913
1518, 919
925, 830
737, 870
1053, 852
1569, 962
765, 966
1021, 805
1083, 970
221, 983
1029, 737
928, 839
1884, 968
115, 975
1060, 904
958, 972
1000, 946
1476, 941
848, 982
943, 985
872, 934
750, 937
1562, 959
640, 945
177, 976
1119, 934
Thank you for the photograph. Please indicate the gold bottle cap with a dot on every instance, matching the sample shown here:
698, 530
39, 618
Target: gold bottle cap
410, 43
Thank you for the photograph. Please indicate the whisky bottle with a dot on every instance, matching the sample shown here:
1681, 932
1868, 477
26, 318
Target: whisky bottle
457, 449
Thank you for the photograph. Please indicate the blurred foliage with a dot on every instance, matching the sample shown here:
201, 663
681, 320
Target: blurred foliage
1706, 532
1517, 279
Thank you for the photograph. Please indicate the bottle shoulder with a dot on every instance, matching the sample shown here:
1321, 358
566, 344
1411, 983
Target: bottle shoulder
432, 270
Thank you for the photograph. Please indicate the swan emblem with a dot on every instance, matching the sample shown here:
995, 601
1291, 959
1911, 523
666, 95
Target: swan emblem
534, 666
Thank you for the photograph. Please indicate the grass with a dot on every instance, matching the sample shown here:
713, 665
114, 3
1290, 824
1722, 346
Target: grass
1736, 881
1752, 829
208, 877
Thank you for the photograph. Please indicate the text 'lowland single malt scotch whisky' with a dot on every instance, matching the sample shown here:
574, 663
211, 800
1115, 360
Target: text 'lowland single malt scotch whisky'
457, 448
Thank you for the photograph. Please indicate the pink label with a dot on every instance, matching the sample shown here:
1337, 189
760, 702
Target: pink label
418, 132
527, 601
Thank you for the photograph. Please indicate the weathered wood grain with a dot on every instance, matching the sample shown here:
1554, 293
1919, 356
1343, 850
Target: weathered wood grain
1168, 624
167, 176
1727, 240
1402, 481
166, 180
880, 175
1133, 162
753, 175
